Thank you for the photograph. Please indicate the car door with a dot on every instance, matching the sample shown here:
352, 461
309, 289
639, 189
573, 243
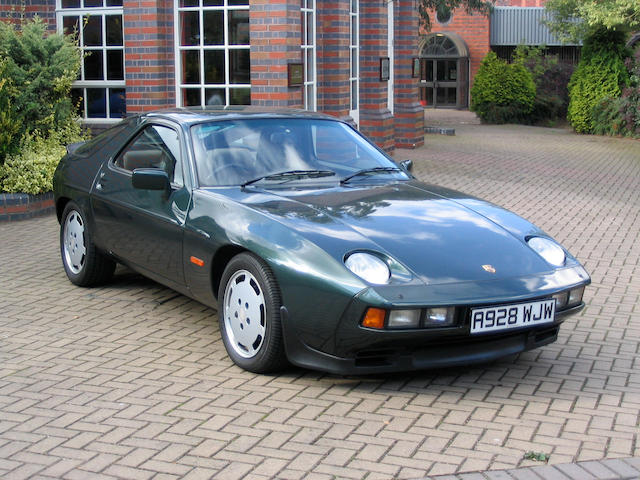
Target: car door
144, 228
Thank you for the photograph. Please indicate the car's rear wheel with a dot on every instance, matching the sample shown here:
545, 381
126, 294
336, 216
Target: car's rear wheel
84, 264
249, 313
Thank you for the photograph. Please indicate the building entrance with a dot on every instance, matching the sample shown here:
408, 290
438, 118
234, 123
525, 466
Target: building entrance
444, 71
439, 80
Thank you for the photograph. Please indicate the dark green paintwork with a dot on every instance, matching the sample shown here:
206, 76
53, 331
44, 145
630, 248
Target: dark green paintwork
438, 240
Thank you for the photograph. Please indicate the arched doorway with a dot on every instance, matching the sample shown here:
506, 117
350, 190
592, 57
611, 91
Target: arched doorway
444, 71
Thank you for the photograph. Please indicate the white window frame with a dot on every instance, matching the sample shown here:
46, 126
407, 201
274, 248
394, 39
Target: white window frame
310, 86
99, 84
227, 85
354, 52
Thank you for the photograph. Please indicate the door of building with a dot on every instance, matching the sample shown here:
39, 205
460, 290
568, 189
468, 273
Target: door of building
444, 71
439, 82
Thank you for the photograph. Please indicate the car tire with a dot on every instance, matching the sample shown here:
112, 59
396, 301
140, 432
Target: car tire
249, 303
84, 264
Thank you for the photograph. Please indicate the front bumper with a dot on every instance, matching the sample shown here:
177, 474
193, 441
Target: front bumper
375, 352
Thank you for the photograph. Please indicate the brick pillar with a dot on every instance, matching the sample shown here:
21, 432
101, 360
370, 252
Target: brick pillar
408, 113
333, 57
275, 42
149, 54
376, 120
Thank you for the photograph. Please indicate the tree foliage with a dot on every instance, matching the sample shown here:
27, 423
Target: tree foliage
574, 19
426, 6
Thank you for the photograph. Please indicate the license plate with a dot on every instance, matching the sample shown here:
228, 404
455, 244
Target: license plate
504, 317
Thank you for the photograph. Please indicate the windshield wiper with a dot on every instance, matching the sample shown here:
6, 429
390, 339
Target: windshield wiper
291, 175
370, 171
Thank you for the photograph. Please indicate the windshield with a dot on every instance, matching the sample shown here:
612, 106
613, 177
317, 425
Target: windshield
251, 151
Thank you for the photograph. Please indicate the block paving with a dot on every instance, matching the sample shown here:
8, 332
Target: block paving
131, 380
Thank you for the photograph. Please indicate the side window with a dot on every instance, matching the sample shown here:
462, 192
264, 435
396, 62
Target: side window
155, 147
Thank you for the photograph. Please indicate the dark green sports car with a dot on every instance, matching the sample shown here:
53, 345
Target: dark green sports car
315, 247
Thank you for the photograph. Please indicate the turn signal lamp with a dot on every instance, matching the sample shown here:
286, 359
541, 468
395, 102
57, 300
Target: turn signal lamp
374, 318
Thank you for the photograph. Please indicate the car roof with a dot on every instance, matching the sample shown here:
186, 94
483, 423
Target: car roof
192, 115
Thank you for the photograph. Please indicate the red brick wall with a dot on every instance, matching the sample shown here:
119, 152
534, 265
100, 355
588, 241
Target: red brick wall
15, 11
149, 54
275, 42
333, 57
474, 29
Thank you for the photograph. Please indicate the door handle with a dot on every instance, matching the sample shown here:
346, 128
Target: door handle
100, 181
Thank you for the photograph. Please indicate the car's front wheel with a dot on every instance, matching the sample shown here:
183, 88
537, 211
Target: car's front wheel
84, 264
249, 313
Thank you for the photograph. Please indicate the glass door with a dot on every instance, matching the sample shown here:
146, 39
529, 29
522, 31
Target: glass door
438, 82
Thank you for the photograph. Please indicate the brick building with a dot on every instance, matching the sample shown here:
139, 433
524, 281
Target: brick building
349, 58
451, 53
363, 60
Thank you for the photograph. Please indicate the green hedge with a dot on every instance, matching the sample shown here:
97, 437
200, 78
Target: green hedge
502, 92
601, 73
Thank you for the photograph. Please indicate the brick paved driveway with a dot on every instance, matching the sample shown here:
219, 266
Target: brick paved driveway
132, 381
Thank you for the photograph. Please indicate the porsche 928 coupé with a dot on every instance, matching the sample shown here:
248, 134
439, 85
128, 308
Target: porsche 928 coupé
315, 247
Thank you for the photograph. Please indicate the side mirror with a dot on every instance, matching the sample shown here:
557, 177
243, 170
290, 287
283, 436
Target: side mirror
150, 179
407, 165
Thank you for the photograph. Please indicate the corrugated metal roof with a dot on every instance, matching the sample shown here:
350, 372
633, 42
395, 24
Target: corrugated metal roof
521, 26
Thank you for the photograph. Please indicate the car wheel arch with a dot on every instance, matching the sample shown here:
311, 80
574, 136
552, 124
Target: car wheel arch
220, 261
61, 203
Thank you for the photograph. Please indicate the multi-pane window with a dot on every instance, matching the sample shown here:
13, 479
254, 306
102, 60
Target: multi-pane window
354, 56
308, 20
99, 90
213, 66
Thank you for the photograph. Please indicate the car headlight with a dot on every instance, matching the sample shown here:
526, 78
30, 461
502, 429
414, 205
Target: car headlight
404, 318
368, 267
548, 249
439, 317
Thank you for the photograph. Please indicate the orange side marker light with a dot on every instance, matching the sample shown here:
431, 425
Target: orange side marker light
197, 261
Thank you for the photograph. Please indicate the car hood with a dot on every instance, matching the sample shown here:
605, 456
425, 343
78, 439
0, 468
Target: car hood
439, 235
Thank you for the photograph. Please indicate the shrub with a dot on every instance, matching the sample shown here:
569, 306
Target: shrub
601, 73
551, 78
621, 116
501, 92
32, 170
9, 127
41, 69
607, 119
